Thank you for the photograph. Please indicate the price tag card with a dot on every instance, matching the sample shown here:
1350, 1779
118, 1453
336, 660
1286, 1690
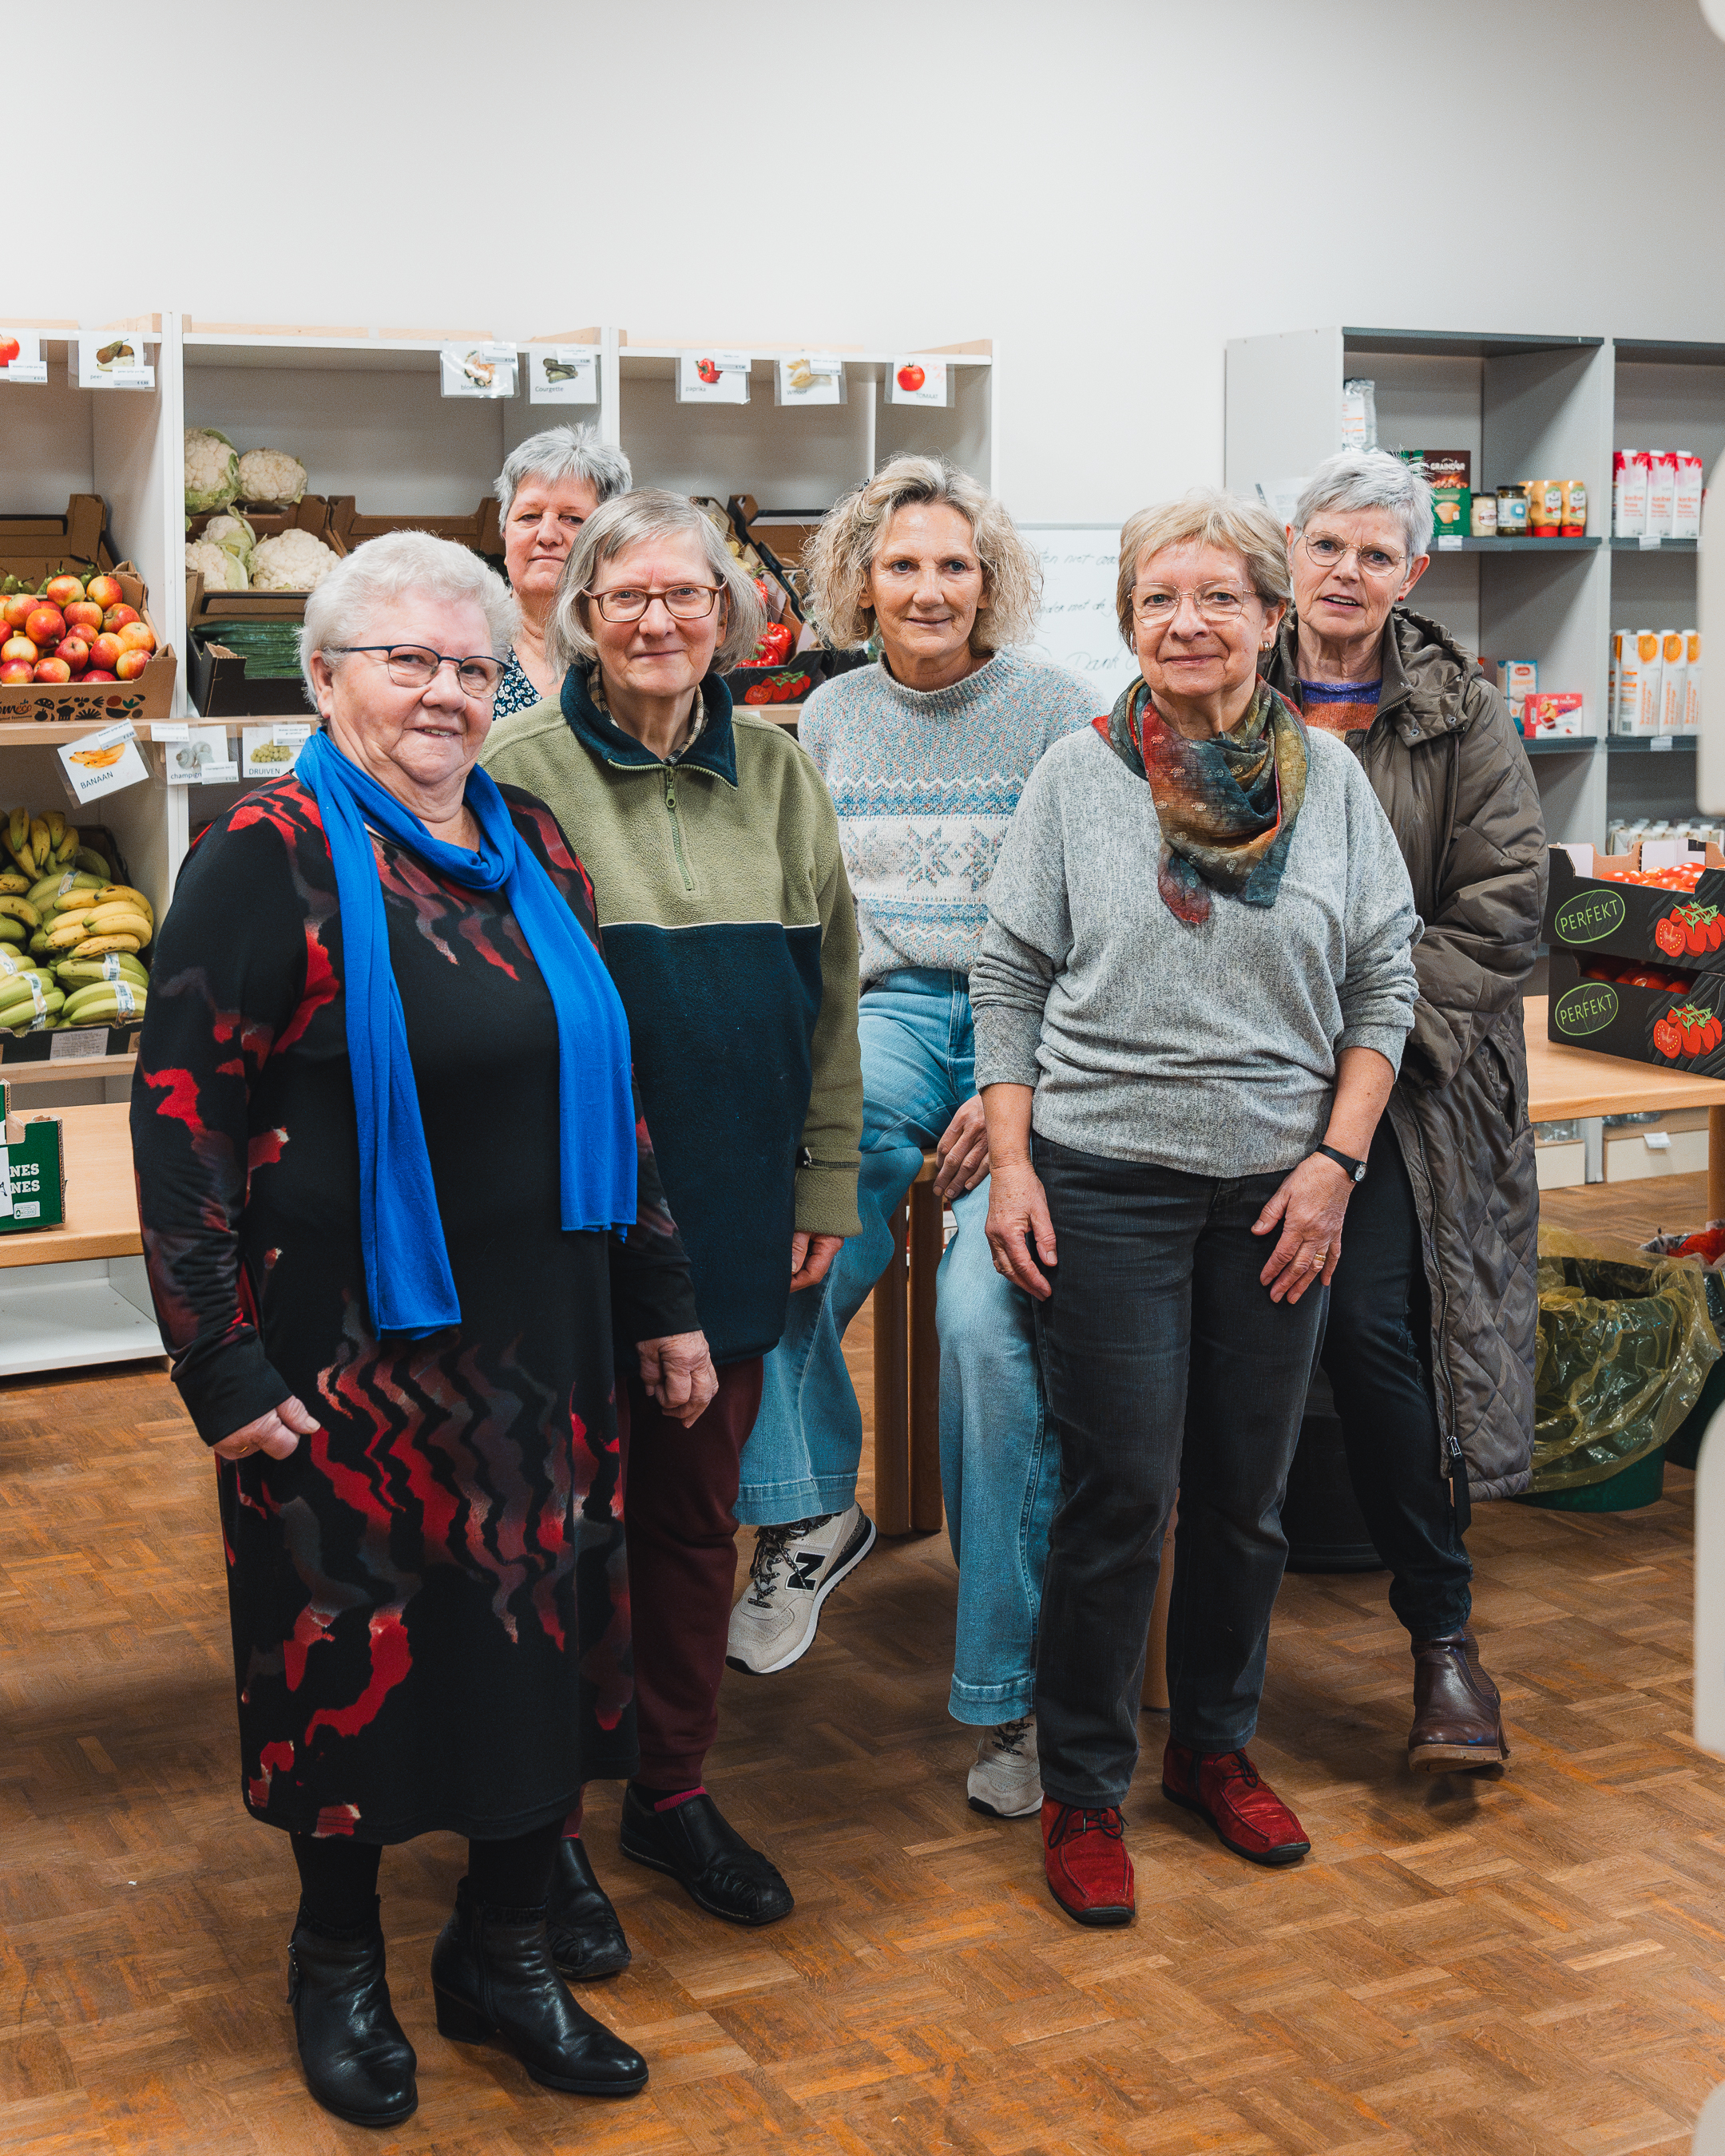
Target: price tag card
1663, 741
1448, 543
268, 752
809, 378
477, 370
105, 762
226, 773
712, 377
190, 761
916, 380
81, 1040
21, 357
110, 359
163, 730
562, 374
1650, 539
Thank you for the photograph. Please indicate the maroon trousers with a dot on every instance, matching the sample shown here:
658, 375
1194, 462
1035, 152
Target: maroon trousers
678, 1486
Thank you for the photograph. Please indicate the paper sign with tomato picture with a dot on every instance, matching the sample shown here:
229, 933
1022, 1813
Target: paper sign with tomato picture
104, 762
708, 375
917, 380
21, 357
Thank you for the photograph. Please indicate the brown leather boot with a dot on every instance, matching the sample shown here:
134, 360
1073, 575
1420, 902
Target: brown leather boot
1458, 1719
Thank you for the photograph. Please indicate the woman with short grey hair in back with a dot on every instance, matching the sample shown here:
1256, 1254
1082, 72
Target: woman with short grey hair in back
549, 485
1428, 1347
1190, 999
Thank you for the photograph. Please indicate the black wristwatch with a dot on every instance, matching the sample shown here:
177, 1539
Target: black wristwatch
1356, 1169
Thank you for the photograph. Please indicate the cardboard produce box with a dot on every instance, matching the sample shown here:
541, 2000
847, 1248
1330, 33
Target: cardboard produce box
32, 1173
221, 688
482, 530
1673, 1028
150, 696
310, 514
69, 1044
1596, 914
34, 547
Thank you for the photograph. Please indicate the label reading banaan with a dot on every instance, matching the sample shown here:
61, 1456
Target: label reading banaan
1588, 1009
1585, 919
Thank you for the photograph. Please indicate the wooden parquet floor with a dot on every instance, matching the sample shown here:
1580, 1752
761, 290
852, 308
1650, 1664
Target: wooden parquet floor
1463, 1967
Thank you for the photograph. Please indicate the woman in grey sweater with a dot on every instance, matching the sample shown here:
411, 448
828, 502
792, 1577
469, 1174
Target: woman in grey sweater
1190, 1000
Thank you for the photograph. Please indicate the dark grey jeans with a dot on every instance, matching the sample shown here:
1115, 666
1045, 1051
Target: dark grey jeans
1167, 1368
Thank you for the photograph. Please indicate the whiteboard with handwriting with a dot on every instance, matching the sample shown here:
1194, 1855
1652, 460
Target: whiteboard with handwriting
1077, 628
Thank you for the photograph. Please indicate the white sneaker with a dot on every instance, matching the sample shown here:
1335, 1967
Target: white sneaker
1006, 1781
796, 1567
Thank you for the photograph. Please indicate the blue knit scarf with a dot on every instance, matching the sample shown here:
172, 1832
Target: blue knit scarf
407, 1278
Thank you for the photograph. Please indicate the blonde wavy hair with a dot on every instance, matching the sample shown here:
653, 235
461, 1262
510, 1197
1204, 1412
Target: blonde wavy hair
1206, 517
840, 556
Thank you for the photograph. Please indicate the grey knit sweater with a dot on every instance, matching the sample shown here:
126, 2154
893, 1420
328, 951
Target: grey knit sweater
1212, 1049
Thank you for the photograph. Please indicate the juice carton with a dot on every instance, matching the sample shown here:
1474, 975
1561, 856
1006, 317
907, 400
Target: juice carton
1692, 681
1661, 486
1674, 658
1685, 495
1650, 680
1629, 493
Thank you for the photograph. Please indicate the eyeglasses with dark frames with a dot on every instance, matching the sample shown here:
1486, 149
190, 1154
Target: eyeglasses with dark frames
414, 666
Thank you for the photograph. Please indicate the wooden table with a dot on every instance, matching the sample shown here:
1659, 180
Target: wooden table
78, 1294
1562, 1082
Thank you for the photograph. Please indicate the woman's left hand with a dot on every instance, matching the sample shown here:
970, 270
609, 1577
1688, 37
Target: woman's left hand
1309, 1206
679, 1375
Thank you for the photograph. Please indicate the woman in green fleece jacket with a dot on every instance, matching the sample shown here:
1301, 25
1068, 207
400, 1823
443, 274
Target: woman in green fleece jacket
729, 930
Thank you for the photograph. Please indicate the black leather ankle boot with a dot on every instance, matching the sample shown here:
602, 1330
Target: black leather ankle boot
492, 1975
587, 1940
357, 2062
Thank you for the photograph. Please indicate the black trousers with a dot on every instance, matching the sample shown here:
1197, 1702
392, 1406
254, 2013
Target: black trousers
1377, 1354
338, 1877
1168, 1367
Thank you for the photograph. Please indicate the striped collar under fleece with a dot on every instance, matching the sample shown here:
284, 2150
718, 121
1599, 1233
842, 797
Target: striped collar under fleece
408, 1282
1227, 806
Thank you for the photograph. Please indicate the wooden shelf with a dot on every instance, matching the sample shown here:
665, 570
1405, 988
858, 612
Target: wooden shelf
47, 1070
101, 1194
21, 733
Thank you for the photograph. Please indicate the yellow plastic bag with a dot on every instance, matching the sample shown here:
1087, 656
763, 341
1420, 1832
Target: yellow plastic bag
1626, 1342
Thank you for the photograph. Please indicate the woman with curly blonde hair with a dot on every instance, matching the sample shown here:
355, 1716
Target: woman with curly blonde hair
926, 754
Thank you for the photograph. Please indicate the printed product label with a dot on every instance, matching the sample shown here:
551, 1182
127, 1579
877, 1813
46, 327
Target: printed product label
1587, 1008
1585, 918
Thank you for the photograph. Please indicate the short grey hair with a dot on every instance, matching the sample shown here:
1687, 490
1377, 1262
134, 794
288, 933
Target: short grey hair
1206, 517
563, 453
1371, 478
631, 521
345, 607
842, 552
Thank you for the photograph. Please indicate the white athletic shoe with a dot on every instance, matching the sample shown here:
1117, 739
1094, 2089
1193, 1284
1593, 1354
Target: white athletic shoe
796, 1567
1006, 1781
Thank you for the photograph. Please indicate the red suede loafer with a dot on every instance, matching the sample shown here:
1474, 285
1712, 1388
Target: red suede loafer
1083, 1854
1225, 1788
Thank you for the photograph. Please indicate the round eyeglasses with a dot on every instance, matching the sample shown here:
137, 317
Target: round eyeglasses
682, 602
414, 666
1374, 561
1218, 602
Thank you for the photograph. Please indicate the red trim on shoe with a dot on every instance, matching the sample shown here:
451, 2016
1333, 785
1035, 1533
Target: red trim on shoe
1226, 1789
679, 1797
1085, 1862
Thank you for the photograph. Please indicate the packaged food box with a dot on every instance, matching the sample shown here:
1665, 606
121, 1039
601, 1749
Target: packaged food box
32, 1173
1685, 495
1519, 678
1674, 1022
1636, 653
1673, 666
1550, 712
1692, 681
148, 695
1450, 518
1670, 919
1629, 493
1662, 489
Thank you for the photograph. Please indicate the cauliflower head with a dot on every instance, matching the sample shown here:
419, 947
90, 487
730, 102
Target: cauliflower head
234, 533
223, 571
294, 562
270, 475
211, 470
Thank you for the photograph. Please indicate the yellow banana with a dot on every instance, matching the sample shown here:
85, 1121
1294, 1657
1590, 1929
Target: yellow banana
11, 880
63, 933
18, 829
39, 846
97, 946
11, 930
110, 893
106, 998
56, 828
87, 857
65, 852
86, 973
121, 917
20, 909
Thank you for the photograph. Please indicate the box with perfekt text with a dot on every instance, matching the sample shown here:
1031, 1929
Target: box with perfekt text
1598, 914
1674, 1029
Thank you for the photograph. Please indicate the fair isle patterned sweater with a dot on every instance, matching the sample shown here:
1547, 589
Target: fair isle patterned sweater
925, 784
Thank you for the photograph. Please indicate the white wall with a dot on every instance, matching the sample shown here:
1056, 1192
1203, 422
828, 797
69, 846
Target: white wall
1109, 189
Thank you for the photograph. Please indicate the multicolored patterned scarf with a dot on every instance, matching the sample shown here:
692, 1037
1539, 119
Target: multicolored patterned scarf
1227, 806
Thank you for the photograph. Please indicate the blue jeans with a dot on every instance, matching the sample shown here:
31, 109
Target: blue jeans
1000, 1473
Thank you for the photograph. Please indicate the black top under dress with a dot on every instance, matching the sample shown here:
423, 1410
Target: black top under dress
429, 1598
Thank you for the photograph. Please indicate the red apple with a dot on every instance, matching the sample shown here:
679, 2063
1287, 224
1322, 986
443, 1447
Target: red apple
63, 590
95, 674
911, 377
14, 670
130, 664
75, 652
104, 591
117, 617
20, 649
47, 624
55, 670
105, 650
17, 610
82, 614
9, 350
137, 636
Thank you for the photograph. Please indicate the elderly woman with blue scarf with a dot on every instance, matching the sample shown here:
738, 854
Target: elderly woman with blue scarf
396, 1200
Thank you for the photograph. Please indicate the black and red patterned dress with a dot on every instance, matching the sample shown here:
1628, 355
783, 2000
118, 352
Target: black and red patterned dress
429, 1599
